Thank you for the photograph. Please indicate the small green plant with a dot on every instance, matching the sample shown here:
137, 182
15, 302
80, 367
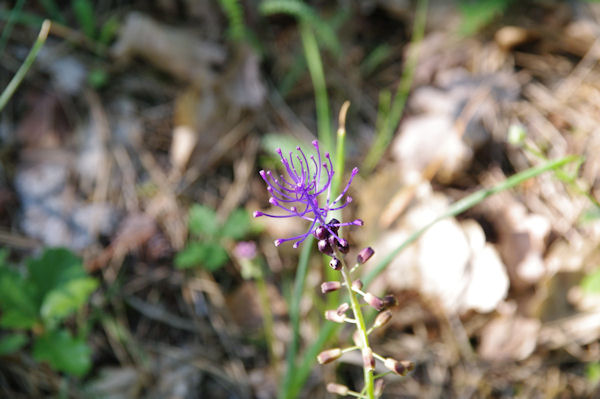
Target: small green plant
209, 237
35, 305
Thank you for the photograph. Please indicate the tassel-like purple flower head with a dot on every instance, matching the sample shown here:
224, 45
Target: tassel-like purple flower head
299, 193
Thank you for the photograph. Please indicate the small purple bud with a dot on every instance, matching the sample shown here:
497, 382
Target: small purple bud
321, 233
332, 225
382, 319
358, 222
338, 389
343, 246
348, 199
296, 244
343, 308
332, 315
332, 240
368, 359
329, 355
257, 214
335, 264
330, 286
278, 242
262, 173
324, 247
273, 201
373, 301
399, 367
357, 285
364, 255
389, 301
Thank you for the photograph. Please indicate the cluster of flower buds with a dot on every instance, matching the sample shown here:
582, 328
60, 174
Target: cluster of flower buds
338, 315
329, 241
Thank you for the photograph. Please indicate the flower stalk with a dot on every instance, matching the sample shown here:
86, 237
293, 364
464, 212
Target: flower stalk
306, 194
361, 328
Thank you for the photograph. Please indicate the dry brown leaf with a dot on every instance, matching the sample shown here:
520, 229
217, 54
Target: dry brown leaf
173, 50
509, 338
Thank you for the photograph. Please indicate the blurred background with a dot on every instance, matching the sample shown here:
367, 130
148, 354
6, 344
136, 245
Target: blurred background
131, 136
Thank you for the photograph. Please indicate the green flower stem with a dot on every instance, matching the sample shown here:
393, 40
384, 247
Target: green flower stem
360, 326
315, 68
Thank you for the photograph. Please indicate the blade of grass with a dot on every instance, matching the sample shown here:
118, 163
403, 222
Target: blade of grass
295, 316
53, 10
315, 68
16, 80
12, 17
302, 372
385, 134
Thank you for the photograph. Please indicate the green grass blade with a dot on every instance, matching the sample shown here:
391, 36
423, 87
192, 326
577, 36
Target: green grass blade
12, 17
315, 68
295, 316
16, 80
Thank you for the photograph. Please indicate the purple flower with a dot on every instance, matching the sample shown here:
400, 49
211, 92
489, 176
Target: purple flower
301, 193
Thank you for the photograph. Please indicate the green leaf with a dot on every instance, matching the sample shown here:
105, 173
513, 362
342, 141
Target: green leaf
216, 256
109, 30
210, 255
12, 343
590, 284
17, 302
237, 225
63, 352
66, 299
478, 13
55, 267
203, 221
590, 215
592, 372
84, 12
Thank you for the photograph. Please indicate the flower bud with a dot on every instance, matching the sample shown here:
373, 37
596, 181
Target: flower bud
389, 301
368, 359
374, 301
332, 240
335, 264
343, 308
332, 315
329, 355
330, 286
324, 247
364, 255
401, 368
321, 233
332, 224
343, 246
357, 285
382, 319
337, 389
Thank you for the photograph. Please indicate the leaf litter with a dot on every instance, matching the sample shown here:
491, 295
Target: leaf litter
494, 302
